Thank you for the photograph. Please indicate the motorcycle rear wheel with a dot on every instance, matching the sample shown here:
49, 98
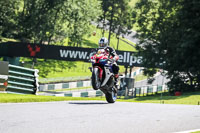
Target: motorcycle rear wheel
111, 97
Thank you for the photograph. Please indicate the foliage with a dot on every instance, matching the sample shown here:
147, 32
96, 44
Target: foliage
169, 39
117, 15
84, 13
48, 22
8, 16
53, 21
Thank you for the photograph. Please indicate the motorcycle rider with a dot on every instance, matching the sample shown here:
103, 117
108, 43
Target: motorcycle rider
103, 44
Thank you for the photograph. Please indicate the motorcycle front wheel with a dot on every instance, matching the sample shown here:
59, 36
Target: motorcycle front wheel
96, 84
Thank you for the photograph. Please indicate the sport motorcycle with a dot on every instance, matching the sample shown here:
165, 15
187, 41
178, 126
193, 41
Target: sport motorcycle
102, 75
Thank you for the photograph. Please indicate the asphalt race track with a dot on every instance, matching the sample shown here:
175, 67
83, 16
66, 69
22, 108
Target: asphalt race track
97, 117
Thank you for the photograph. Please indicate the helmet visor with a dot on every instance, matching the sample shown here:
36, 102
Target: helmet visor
102, 44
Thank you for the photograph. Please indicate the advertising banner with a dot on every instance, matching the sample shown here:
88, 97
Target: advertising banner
18, 49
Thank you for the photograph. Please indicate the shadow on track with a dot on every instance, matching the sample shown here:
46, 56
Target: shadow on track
88, 103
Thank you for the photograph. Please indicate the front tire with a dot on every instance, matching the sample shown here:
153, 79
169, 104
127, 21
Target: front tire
96, 84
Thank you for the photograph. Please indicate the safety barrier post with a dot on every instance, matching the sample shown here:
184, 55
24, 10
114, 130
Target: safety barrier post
3, 76
22, 80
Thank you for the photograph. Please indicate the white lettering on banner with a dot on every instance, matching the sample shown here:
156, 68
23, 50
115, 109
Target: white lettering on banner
134, 60
120, 58
82, 55
5, 77
126, 57
63, 53
73, 54
139, 60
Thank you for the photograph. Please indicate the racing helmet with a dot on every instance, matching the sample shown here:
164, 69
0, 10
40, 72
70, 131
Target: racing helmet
103, 42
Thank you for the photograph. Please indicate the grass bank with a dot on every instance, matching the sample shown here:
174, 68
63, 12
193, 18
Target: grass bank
189, 98
140, 77
18, 98
192, 98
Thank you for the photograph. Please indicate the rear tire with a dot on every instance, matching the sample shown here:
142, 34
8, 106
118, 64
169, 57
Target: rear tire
111, 97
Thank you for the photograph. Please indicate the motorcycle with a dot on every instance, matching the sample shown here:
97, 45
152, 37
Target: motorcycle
102, 75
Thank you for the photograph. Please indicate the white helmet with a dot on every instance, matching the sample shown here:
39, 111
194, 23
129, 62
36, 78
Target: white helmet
103, 42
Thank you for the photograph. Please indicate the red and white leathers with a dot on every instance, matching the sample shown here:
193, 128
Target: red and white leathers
112, 55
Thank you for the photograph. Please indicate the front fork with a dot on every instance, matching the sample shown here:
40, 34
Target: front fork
100, 71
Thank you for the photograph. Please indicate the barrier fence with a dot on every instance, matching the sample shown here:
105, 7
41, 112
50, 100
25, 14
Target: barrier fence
150, 90
93, 93
16, 79
22, 80
64, 79
19, 79
69, 85
47, 88
142, 91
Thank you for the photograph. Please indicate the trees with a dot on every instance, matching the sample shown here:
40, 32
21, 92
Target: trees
169, 37
47, 21
117, 15
83, 13
8, 16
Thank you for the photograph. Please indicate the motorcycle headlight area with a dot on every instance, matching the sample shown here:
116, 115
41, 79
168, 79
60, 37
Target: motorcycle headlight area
103, 61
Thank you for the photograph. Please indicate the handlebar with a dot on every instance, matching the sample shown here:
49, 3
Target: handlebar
111, 60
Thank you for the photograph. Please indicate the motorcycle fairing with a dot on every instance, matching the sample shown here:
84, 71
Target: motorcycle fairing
108, 74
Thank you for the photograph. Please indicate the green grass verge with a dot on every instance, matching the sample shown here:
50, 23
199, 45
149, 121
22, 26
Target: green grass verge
81, 69
140, 77
18, 98
192, 98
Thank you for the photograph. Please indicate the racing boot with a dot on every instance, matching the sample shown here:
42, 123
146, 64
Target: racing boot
116, 81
